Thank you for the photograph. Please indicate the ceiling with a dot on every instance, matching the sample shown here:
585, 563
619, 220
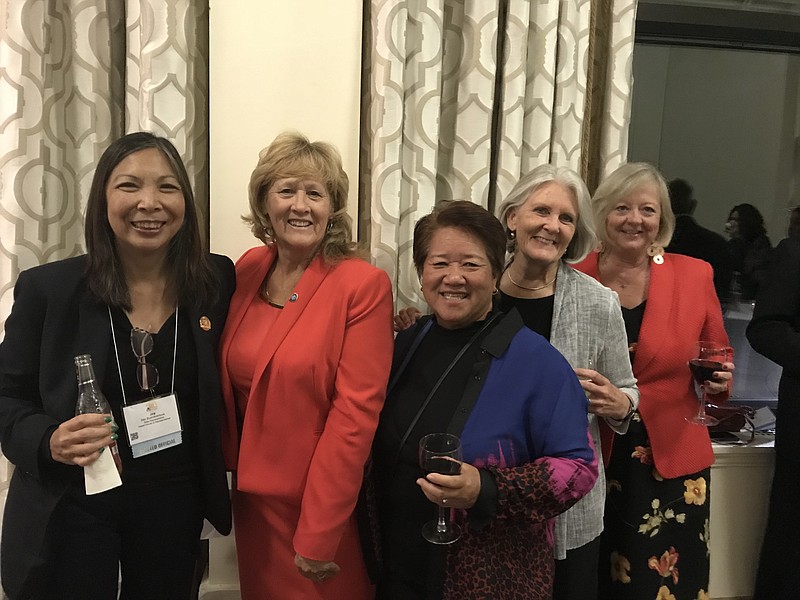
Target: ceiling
769, 6
770, 25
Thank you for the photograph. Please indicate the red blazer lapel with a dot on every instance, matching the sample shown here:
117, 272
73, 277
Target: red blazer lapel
251, 268
658, 315
308, 285
250, 273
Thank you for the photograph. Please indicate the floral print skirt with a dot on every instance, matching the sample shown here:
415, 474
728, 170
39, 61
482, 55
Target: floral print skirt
655, 541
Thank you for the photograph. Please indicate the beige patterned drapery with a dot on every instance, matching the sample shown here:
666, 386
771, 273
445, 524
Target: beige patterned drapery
75, 75
443, 118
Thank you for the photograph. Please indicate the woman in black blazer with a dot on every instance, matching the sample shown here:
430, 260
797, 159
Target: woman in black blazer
144, 272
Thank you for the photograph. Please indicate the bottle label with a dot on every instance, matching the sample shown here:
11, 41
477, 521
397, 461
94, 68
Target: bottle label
102, 474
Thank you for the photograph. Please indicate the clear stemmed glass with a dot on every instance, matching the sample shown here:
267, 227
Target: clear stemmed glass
440, 453
710, 357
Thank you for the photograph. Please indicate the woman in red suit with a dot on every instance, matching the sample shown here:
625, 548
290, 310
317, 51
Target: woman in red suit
305, 361
655, 541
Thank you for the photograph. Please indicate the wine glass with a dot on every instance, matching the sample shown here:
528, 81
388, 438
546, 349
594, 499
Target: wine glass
710, 357
440, 453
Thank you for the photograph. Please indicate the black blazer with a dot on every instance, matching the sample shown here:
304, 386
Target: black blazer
774, 332
53, 319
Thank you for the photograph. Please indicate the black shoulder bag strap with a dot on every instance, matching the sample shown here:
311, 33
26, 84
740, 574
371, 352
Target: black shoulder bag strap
438, 383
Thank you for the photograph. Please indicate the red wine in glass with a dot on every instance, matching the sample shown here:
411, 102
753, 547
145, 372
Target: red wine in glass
709, 358
703, 369
440, 453
441, 465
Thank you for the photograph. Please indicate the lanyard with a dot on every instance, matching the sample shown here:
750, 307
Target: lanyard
119, 366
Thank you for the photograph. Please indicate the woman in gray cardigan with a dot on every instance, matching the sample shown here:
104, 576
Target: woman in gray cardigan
549, 224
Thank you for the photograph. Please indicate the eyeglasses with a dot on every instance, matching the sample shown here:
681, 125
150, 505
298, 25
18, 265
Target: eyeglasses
142, 344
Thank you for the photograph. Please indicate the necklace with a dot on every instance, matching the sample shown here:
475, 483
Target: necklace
530, 289
269, 300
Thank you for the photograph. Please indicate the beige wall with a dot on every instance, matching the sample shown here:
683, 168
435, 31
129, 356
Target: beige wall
277, 65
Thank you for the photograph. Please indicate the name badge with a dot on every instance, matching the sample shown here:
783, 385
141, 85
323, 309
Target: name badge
153, 425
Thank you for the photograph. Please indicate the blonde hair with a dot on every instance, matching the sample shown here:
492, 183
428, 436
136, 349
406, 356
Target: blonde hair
292, 155
622, 182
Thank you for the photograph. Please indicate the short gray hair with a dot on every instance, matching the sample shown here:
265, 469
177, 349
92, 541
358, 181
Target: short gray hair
584, 239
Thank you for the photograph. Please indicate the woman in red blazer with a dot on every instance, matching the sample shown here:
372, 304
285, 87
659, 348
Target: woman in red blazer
655, 541
305, 361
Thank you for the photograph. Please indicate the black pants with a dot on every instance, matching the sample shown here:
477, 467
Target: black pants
149, 534
778, 574
576, 575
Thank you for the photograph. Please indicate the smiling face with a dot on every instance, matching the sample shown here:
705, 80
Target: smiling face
632, 225
544, 224
146, 206
298, 210
457, 279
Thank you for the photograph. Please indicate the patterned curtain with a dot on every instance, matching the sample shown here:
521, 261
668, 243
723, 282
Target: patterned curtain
74, 76
443, 118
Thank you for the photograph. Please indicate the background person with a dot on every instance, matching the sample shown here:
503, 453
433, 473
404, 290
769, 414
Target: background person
793, 229
774, 332
517, 407
692, 239
305, 361
655, 540
144, 268
749, 248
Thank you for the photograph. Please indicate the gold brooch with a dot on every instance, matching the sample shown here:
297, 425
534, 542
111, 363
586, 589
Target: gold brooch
205, 323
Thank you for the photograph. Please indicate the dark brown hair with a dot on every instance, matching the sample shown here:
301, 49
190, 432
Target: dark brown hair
468, 217
191, 277
751, 223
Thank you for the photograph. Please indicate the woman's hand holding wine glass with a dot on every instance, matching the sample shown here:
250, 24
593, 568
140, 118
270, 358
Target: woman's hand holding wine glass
448, 483
453, 491
712, 370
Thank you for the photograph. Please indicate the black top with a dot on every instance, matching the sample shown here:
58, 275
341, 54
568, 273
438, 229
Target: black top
633, 323
177, 462
417, 564
537, 313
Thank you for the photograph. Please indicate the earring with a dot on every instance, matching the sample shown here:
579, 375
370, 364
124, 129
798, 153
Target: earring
512, 235
330, 226
657, 253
